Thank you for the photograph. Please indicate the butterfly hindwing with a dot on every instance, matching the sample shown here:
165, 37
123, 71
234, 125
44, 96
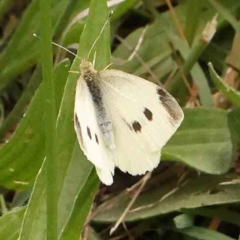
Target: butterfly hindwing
89, 135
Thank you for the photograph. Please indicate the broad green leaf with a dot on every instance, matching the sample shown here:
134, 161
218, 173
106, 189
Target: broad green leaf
203, 141
234, 121
22, 155
10, 224
204, 234
165, 198
218, 212
234, 126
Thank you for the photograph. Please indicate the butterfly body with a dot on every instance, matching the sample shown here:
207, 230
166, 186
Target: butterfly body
91, 77
122, 120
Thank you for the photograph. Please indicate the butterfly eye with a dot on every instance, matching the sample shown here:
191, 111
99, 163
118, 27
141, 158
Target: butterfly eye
88, 76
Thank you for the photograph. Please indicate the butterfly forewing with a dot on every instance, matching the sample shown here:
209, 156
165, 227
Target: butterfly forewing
151, 112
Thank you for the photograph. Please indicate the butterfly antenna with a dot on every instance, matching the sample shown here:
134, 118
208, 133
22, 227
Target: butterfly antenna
53, 43
94, 58
103, 28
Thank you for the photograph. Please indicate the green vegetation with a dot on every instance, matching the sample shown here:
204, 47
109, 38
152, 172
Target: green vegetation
45, 177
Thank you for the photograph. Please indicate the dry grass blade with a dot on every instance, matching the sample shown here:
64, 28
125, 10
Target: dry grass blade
142, 183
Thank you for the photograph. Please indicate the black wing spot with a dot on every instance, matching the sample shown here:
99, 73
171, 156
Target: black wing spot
161, 93
89, 133
148, 114
136, 126
169, 104
76, 120
96, 138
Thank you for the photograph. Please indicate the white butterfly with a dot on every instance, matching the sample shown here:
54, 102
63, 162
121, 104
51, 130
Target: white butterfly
122, 120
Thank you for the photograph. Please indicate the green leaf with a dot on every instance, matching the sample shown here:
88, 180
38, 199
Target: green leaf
22, 155
183, 221
204, 234
92, 235
231, 94
234, 126
32, 226
220, 213
165, 198
122, 8
203, 141
193, 16
10, 224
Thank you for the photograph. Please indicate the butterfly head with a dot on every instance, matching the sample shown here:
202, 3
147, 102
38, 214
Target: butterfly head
87, 70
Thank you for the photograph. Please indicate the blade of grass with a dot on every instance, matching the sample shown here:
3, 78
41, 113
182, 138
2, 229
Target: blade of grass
196, 73
226, 14
88, 188
193, 56
80, 208
49, 119
193, 17
231, 94
28, 224
61, 24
